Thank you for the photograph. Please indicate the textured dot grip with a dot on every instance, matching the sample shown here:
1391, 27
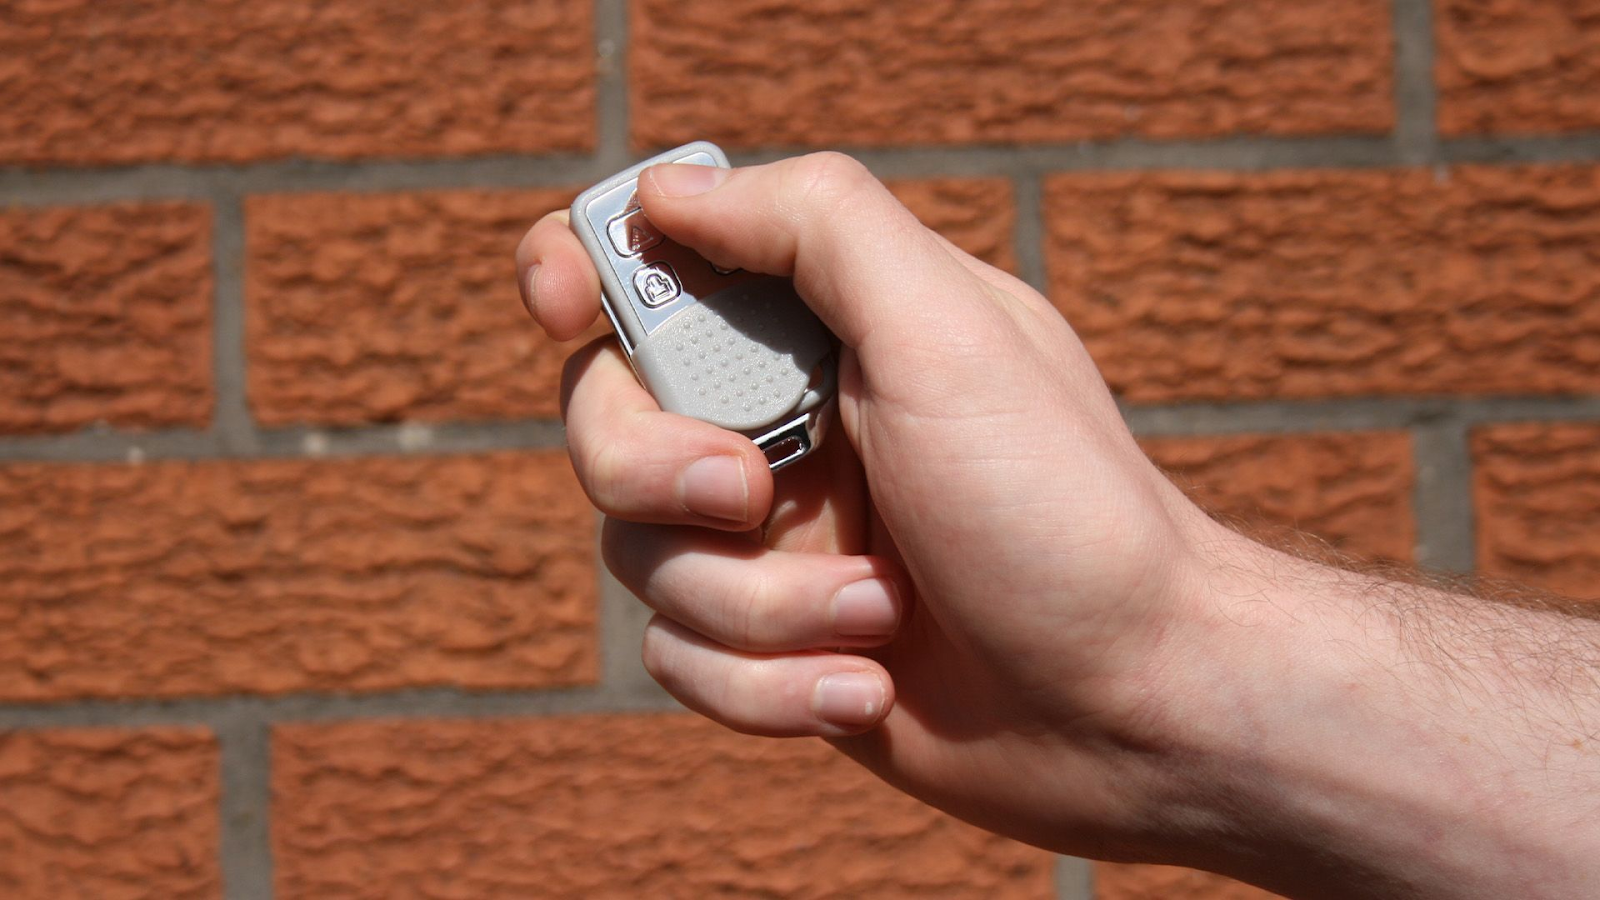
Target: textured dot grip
740, 359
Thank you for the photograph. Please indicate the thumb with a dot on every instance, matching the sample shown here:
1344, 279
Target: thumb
861, 260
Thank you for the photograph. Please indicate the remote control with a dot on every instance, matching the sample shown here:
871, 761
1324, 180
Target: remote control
734, 348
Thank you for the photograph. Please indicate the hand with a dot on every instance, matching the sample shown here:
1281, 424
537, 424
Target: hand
983, 538
983, 591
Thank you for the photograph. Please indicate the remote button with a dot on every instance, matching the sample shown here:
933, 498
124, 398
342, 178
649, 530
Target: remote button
656, 284
631, 233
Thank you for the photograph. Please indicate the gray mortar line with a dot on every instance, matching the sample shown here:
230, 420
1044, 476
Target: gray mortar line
411, 438
101, 444
1363, 413
80, 186
245, 851
1415, 94
1582, 147
1074, 878
90, 186
622, 621
230, 415
1442, 496
418, 703
1243, 154
611, 97
415, 438
1029, 232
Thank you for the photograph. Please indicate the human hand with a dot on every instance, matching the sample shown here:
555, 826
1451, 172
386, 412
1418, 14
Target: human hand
981, 589
970, 587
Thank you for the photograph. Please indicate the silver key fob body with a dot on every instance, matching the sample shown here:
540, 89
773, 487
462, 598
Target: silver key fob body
734, 348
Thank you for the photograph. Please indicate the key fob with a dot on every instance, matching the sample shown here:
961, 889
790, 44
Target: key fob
734, 348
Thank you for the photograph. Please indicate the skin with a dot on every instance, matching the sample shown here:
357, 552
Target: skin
1043, 636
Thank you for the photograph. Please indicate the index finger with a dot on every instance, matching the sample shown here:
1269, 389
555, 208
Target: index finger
559, 285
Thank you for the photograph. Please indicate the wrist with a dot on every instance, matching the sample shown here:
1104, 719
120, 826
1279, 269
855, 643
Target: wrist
1264, 718
1277, 705
1206, 704
1343, 734
1182, 717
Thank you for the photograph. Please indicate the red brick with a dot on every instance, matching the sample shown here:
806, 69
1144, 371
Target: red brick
378, 307
1217, 286
976, 214
1114, 881
182, 578
117, 81
106, 313
1351, 489
615, 806
374, 307
1522, 67
114, 815
1536, 492
784, 72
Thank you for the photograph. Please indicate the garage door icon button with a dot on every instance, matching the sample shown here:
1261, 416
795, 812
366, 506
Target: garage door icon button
656, 284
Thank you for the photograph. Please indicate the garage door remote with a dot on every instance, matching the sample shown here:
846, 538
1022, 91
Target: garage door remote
734, 348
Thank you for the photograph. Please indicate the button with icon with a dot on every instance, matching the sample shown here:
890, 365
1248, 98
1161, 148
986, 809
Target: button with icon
656, 284
632, 233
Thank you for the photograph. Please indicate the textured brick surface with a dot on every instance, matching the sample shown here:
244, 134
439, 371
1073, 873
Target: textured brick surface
377, 307
1189, 286
110, 815
1352, 489
779, 72
1537, 495
976, 214
1518, 67
1123, 882
103, 81
104, 316
657, 806
269, 576
374, 307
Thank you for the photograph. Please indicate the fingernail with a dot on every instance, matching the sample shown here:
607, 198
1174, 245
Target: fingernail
866, 608
530, 287
683, 180
848, 699
715, 487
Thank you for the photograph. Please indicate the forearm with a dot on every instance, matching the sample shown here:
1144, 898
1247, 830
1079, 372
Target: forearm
1392, 739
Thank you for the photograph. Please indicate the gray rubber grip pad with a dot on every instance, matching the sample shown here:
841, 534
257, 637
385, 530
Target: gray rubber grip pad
739, 359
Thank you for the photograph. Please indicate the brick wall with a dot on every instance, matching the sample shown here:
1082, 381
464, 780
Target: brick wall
297, 596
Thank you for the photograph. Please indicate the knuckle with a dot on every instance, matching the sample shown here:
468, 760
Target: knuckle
747, 608
732, 698
829, 175
601, 471
552, 226
538, 237
524, 253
